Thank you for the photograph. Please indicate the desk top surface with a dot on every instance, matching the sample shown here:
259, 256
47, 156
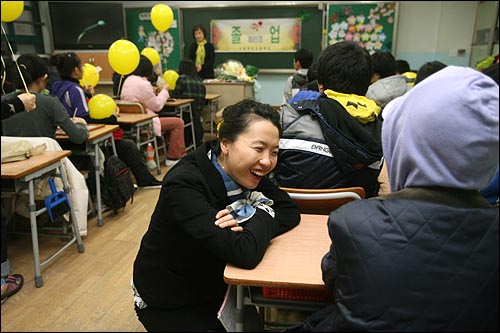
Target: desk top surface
292, 260
179, 101
134, 118
16, 170
94, 134
210, 97
216, 82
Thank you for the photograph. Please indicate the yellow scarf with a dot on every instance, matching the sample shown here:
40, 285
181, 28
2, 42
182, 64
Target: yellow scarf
363, 109
200, 52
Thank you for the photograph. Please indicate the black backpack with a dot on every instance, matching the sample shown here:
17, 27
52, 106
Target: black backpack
117, 187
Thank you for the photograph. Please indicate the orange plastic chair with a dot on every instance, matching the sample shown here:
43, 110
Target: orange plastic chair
323, 201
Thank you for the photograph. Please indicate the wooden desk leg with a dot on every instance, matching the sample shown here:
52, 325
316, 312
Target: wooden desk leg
34, 234
240, 308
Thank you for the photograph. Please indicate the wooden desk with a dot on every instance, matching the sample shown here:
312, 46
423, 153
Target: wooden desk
184, 105
96, 136
137, 122
231, 92
27, 171
292, 260
213, 105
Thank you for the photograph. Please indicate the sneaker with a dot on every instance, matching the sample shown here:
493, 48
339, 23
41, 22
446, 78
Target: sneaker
154, 184
171, 163
11, 284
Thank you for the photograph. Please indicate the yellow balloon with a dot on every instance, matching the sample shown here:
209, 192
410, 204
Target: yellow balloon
90, 76
162, 17
151, 54
11, 10
171, 76
123, 56
101, 106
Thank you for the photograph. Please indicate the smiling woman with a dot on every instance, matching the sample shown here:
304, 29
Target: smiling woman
216, 207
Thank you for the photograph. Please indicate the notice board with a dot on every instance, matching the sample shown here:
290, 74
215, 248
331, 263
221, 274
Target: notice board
372, 25
142, 33
311, 31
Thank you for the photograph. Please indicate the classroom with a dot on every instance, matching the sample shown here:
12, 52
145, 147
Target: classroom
95, 265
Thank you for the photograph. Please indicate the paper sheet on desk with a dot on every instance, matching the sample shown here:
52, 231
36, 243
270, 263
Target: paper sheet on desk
90, 127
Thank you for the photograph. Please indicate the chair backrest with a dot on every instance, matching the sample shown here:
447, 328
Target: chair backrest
131, 107
323, 201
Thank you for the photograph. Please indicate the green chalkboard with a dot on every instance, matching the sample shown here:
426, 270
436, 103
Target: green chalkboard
311, 31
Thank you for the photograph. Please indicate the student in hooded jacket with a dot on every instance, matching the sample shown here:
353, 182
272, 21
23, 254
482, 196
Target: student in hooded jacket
425, 257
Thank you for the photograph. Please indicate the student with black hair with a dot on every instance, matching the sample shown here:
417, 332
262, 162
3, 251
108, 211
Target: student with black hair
386, 83
190, 85
75, 100
138, 88
428, 69
48, 114
302, 60
334, 141
312, 90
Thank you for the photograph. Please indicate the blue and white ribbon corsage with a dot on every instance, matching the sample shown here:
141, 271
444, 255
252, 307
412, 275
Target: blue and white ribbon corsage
244, 209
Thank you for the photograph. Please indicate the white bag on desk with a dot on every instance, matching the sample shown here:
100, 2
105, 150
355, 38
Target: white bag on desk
78, 191
20, 150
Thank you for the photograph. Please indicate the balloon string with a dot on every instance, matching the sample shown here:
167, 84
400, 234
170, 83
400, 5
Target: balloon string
15, 61
120, 85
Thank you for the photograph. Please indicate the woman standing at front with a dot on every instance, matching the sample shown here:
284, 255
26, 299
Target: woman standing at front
216, 207
202, 53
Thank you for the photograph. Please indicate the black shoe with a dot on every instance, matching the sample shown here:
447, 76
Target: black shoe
154, 184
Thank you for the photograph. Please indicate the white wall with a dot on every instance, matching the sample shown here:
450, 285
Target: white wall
435, 30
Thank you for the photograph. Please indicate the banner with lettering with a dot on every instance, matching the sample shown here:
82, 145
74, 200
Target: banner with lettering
256, 35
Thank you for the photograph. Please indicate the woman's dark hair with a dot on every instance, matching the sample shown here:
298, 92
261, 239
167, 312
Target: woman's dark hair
65, 63
345, 67
384, 64
200, 27
428, 69
32, 68
187, 67
145, 67
238, 117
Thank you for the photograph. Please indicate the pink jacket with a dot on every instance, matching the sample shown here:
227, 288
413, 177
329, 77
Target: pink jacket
139, 89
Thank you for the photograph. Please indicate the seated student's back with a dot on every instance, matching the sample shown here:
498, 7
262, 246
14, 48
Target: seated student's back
334, 141
49, 112
425, 257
